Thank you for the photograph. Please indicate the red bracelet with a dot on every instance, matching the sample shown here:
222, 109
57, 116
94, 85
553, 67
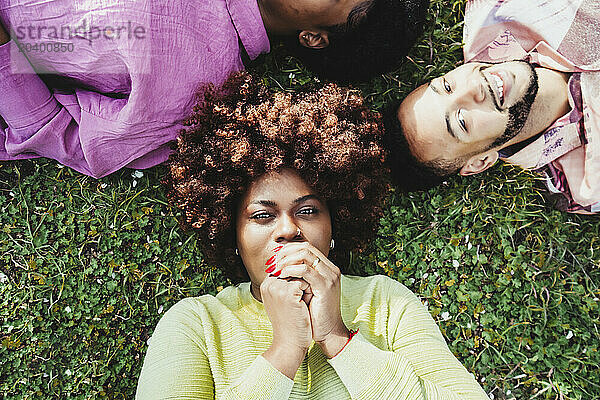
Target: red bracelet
350, 336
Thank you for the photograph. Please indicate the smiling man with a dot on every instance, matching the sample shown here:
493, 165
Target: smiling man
99, 85
529, 94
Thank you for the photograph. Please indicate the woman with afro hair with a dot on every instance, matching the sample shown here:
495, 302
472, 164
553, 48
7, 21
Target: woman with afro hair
280, 188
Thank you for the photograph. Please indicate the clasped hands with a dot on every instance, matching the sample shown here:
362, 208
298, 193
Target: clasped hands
301, 296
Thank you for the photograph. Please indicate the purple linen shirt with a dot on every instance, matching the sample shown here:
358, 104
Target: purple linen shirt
118, 99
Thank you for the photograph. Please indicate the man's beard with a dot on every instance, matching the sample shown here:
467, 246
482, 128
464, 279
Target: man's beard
518, 113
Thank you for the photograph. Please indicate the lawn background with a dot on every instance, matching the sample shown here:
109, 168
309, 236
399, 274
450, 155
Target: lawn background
89, 266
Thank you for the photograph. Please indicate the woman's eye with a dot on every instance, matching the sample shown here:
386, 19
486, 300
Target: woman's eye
261, 215
308, 211
446, 85
461, 120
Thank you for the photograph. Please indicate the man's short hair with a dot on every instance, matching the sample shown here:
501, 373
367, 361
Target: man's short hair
374, 40
409, 173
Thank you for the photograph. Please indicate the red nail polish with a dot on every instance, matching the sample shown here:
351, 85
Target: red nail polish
270, 269
276, 249
277, 273
270, 260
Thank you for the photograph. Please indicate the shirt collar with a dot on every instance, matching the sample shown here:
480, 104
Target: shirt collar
249, 25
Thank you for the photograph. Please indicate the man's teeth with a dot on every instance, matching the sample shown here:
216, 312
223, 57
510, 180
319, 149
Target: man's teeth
500, 85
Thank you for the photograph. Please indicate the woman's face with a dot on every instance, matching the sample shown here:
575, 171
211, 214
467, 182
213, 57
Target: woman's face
269, 215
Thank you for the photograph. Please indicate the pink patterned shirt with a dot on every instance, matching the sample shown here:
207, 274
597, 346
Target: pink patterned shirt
563, 35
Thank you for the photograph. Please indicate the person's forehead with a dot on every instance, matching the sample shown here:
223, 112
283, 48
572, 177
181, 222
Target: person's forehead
279, 186
422, 115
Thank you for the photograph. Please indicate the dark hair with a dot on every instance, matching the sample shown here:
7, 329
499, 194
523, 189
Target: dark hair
409, 173
374, 40
242, 131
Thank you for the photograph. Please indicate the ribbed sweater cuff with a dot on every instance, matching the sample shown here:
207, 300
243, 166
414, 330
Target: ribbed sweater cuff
263, 381
356, 362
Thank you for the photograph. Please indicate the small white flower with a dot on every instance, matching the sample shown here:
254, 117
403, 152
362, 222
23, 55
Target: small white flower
445, 315
455, 263
68, 372
160, 309
137, 174
68, 309
570, 335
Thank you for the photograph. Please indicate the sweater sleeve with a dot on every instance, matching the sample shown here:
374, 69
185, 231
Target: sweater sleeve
418, 364
85, 130
177, 366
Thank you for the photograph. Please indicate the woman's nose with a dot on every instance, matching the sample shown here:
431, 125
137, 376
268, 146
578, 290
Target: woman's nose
287, 230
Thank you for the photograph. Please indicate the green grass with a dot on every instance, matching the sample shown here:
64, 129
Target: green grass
88, 267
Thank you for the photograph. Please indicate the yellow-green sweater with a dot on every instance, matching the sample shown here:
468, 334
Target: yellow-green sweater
210, 348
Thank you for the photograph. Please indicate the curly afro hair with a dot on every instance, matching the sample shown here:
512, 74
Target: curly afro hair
374, 40
241, 131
